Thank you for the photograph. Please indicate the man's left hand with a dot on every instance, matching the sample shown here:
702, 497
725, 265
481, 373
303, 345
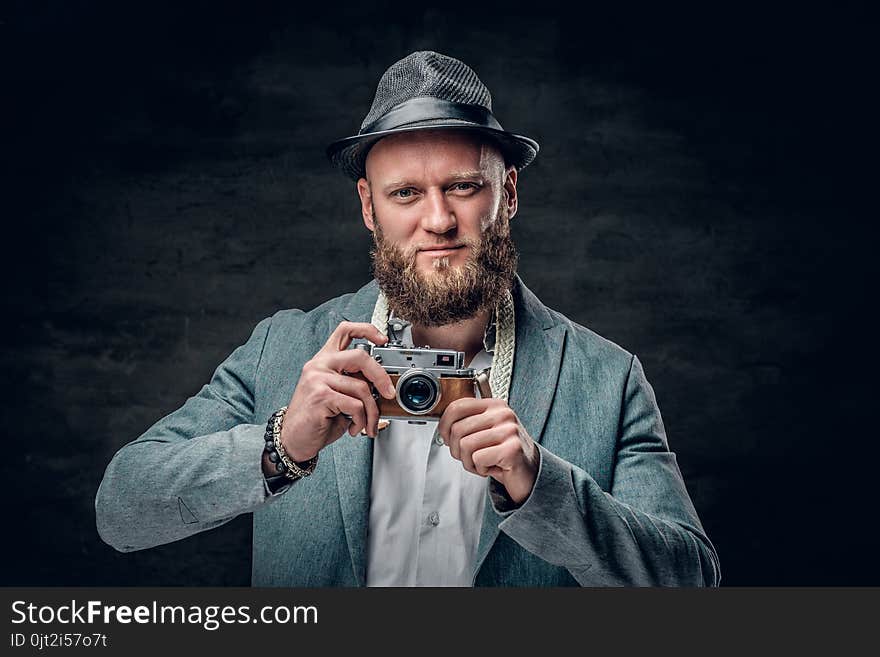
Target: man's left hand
488, 439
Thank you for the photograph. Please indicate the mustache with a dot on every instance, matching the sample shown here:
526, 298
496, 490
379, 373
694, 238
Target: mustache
463, 242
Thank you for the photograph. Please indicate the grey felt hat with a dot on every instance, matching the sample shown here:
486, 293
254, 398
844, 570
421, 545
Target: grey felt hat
427, 90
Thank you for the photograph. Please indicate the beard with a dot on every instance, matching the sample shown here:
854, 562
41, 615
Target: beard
448, 294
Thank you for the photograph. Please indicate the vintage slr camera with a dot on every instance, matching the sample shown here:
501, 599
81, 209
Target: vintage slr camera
426, 380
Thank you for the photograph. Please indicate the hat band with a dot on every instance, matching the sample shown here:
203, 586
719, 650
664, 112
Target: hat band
428, 108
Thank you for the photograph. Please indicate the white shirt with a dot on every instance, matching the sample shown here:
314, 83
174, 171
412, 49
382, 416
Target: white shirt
426, 510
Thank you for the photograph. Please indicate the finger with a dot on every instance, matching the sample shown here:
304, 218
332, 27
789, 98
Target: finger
458, 410
455, 434
339, 403
492, 460
356, 360
471, 444
470, 424
359, 389
343, 334
341, 424
454, 447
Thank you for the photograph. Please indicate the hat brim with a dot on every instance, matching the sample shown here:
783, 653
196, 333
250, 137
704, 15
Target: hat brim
350, 154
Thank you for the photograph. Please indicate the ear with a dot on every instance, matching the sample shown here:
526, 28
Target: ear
363, 188
510, 197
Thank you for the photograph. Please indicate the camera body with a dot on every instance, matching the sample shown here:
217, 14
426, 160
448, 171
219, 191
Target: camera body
425, 380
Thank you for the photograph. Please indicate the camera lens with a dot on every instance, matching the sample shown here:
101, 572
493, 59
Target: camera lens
418, 393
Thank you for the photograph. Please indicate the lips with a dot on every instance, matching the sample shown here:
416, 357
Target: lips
441, 251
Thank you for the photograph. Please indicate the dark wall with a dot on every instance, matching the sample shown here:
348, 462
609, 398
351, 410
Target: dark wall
696, 200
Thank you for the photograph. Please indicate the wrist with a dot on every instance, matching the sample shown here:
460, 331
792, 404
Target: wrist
297, 455
279, 461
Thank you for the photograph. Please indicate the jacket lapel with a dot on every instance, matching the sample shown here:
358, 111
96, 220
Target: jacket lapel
540, 342
353, 457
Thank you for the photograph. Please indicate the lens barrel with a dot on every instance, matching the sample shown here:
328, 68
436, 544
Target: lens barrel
418, 392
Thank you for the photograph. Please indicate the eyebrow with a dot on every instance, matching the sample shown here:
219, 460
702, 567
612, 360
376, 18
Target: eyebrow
456, 176
466, 175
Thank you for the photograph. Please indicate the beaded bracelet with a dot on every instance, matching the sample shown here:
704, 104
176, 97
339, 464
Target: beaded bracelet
283, 463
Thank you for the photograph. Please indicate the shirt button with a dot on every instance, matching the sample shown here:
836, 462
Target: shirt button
439, 439
434, 518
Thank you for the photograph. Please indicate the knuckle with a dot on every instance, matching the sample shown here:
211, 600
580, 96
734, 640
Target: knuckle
453, 407
306, 382
455, 434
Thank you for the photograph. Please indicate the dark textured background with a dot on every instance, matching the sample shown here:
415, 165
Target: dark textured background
696, 200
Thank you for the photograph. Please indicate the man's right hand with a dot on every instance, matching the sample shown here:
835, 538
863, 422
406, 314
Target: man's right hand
324, 395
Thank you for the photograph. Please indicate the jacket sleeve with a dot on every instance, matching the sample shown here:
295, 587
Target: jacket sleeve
644, 532
195, 469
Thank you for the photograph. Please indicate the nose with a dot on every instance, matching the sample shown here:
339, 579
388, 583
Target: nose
438, 215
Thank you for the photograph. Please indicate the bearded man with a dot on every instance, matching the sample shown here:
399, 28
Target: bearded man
562, 476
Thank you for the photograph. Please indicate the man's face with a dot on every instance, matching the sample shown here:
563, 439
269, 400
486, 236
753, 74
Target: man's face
435, 191
438, 203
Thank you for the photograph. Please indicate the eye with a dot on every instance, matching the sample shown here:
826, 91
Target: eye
403, 194
464, 187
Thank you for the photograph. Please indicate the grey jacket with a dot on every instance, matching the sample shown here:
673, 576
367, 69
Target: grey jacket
609, 506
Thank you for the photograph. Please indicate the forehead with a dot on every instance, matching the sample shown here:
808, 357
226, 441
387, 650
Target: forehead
432, 153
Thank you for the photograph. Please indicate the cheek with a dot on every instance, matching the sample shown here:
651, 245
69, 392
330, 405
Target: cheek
476, 216
396, 224
488, 217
